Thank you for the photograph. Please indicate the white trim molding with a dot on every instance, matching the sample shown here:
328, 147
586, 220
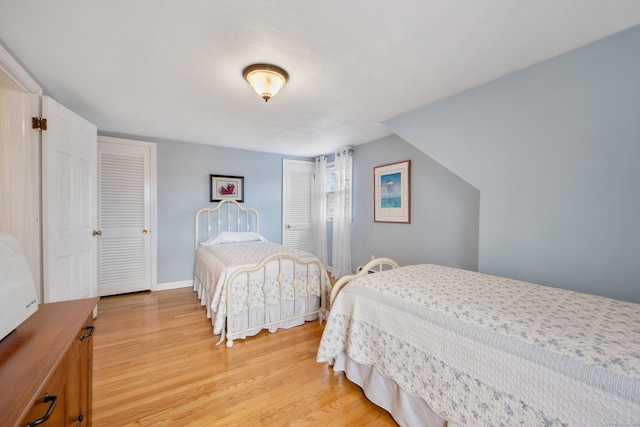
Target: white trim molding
12, 73
174, 285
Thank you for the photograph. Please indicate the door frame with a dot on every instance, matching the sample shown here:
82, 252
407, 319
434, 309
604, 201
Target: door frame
13, 75
153, 236
17, 75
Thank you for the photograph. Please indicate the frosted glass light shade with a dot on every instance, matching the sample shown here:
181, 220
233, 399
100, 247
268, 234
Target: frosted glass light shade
265, 79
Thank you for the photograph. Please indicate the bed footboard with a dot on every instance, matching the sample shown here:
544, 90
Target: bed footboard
377, 264
288, 268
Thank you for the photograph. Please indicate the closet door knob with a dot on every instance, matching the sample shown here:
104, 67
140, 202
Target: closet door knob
97, 233
145, 231
289, 226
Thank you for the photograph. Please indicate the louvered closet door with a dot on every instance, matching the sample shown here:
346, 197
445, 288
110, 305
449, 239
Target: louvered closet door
297, 182
124, 218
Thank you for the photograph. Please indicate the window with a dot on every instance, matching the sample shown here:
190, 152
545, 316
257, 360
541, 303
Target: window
331, 186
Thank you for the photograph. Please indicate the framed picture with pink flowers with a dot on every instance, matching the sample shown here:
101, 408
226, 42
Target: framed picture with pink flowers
224, 187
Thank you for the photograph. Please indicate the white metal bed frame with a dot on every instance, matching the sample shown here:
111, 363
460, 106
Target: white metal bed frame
227, 224
235, 219
377, 264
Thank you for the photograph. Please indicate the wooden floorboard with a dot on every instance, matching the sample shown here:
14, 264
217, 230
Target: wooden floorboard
156, 363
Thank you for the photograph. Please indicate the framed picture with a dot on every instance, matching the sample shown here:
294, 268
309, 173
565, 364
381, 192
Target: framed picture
391, 193
226, 187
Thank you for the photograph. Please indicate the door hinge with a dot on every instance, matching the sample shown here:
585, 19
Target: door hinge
39, 123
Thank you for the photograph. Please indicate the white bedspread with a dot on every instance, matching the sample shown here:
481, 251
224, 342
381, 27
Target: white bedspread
484, 350
216, 262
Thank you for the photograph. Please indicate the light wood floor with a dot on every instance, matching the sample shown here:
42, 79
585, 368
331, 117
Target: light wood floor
156, 364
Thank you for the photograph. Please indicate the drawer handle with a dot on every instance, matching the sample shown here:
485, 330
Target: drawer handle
47, 398
88, 334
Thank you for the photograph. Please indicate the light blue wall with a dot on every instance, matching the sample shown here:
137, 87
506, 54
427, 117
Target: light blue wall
444, 215
554, 150
444, 211
183, 188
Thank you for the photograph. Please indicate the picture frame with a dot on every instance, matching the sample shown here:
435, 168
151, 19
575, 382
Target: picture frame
392, 192
225, 187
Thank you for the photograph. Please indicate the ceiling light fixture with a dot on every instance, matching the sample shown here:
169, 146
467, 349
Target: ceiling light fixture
265, 79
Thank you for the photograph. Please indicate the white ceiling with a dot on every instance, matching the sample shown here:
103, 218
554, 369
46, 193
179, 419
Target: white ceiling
172, 70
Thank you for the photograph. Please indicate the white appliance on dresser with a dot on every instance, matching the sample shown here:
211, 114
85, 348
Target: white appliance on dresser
18, 298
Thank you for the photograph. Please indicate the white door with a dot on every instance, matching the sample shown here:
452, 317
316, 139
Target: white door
69, 205
296, 200
125, 215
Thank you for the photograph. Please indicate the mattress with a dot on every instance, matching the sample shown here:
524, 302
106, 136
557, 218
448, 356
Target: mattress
485, 350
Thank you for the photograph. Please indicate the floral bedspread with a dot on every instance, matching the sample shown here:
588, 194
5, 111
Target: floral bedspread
485, 350
216, 262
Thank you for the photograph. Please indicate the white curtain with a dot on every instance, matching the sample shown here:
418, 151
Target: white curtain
319, 210
341, 248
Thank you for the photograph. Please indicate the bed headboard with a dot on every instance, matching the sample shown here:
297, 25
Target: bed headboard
227, 215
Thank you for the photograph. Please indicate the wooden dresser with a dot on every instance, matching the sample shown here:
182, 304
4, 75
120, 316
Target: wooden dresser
46, 367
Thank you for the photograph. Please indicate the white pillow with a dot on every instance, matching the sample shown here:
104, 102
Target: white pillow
233, 237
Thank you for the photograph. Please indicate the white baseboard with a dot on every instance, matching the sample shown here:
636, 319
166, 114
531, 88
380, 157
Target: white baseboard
174, 285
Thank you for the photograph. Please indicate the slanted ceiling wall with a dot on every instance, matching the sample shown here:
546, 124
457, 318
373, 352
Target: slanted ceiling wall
554, 150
